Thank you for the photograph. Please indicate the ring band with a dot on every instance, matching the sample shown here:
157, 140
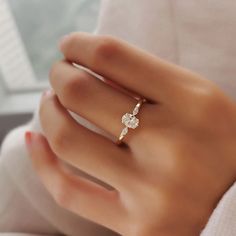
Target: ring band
130, 120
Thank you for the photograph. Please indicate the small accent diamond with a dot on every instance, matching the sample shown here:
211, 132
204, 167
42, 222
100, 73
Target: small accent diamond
135, 111
124, 131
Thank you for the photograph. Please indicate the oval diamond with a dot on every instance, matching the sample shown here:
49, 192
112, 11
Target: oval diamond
130, 120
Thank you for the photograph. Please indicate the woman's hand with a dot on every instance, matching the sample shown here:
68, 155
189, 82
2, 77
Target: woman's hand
175, 166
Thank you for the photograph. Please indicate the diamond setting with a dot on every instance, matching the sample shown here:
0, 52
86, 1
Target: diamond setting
130, 121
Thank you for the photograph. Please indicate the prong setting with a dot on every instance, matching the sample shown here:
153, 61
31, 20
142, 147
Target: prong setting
130, 120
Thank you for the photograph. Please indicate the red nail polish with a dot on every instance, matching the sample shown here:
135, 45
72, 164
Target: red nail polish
28, 138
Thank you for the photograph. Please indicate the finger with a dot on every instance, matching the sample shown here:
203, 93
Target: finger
127, 65
80, 147
72, 192
91, 98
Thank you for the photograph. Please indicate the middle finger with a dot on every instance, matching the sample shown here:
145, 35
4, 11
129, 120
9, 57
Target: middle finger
90, 97
80, 147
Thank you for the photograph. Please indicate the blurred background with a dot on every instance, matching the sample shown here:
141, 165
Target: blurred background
29, 33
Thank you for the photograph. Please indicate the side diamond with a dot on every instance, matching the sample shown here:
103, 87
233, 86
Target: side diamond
136, 110
124, 131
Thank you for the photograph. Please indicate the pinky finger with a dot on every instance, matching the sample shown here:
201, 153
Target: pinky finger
73, 192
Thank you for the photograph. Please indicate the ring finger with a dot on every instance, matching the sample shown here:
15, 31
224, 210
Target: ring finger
90, 97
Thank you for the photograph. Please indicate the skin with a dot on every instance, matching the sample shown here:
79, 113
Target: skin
173, 169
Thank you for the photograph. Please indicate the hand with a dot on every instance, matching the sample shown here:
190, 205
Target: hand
175, 166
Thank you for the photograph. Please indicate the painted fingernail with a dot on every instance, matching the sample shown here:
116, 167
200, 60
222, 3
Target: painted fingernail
63, 41
28, 138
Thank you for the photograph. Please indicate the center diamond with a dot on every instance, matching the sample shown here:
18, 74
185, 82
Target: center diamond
130, 120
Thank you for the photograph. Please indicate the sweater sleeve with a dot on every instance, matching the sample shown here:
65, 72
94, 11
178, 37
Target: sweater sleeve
223, 220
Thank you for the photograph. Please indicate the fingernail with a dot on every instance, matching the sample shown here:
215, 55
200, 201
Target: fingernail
63, 41
28, 138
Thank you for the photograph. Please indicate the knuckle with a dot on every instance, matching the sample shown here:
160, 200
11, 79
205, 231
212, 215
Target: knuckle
105, 50
213, 105
59, 140
54, 70
205, 101
74, 89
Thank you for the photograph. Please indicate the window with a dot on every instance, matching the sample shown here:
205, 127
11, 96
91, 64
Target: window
29, 32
